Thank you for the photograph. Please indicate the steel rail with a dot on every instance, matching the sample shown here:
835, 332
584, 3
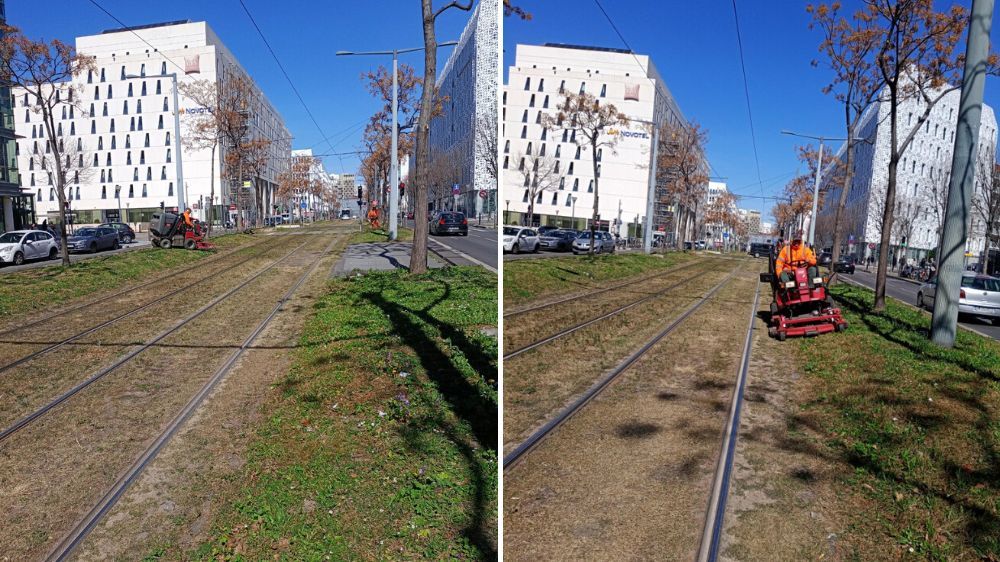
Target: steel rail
108, 297
708, 550
584, 324
26, 420
604, 382
68, 544
88, 331
603, 290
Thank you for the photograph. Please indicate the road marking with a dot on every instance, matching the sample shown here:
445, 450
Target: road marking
464, 255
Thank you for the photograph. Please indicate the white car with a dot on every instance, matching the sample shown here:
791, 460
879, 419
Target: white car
979, 295
519, 239
18, 246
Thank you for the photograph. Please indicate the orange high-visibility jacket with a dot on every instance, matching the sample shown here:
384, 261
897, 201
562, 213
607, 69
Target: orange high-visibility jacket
789, 255
187, 219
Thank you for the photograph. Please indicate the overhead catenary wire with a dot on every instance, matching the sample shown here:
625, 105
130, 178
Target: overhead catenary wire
133, 32
746, 93
285, 74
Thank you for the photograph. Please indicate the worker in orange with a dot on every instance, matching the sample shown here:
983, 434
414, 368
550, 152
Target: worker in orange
791, 255
188, 223
373, 215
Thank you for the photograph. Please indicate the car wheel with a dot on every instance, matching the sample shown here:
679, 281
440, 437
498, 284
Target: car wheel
117, 246
126, 239
756, 255
537, 246
93, 248
515, 249
18, 258
920, 300
53, 254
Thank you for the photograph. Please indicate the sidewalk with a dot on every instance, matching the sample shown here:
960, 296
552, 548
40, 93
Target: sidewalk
378, 256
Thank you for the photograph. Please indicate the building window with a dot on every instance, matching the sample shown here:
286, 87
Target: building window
91, 110
166, 107
129, 94
524, 199
170, 189
545, 133
583, 87
125, 107
604, 90
128, 158
527, 83
524, 132
144, 193
168, 156
538, 118
112, 129
545, 102
77, 193
569, 171
149, 173
142, 156
562, 87
909, 119
541, 84
100, 143
506, 146
555, 198
531, 102
104, 110
590, 187
131, 191
529, 149
142, 70
159, 123
556, 169
578, 149
599, 170
140, 125
147, 134
97, 92
562, 183
108, 160
565, 137
128, 141
104, 192
114, 144
158, 89
52, 194
163, 67
527, 182
142, 91
524, 118
90, 80
135, 174
110, 94
520, 166
600, 154
576, 184
541, 151
506, 160
558, 150
39, 195
32, 180
138, 106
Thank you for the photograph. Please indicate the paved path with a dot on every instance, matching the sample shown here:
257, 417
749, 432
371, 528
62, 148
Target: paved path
906, 291
377, 256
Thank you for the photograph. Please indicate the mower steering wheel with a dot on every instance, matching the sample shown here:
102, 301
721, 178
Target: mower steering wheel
798, 263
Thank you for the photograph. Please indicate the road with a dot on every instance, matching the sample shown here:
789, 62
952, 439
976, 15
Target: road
906, 291
480, 245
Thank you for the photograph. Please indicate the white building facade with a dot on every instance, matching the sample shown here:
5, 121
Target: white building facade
122, 122
536, 84
921, 185
468, 83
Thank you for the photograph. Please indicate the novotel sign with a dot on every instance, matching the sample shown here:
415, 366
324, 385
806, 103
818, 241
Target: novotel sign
629, 134
196, 110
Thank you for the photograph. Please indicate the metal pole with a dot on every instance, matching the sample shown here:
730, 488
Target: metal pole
394, 169
819, 175
963, 170
647, 231
177, 139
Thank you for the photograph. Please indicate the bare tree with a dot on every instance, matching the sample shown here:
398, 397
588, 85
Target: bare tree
204, 131
418, 254
236, 102
681, 169
986, 204
588, 120
45, 73
540, 174
487, 144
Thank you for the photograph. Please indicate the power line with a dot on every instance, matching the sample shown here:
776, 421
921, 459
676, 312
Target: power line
746, 92
283, 72
132, 31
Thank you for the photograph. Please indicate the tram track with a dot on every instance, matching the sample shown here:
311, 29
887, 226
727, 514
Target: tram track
584, 485
24, 421
66, 546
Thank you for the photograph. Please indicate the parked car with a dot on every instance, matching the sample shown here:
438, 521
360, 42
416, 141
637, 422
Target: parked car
543, 230
93, 239
825, 258
758, 249
700, 245
345, 214
449, 222
558, 240
125, 233
845, 265
520, 239
18, 246
979, 295
603, 242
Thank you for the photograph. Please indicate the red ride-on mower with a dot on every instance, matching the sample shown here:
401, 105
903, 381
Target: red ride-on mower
168, 230
797, 308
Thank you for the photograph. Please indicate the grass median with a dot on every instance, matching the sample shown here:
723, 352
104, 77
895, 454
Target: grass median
915, 429
381, 443
40, 288
380, 235
529, 279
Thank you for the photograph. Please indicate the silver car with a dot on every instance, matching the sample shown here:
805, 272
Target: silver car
603, 242
979, 296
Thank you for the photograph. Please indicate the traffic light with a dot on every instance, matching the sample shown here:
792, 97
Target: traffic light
360, 194
161, 205
402, 188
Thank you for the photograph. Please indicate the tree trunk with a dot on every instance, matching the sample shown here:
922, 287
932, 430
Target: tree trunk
593, 221
49, 121
211, 193
418, 253
888, 209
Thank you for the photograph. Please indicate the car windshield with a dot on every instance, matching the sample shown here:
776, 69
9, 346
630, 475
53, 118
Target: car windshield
981, 283
510, 231
11, 237
584, 236
564, 233
87, 232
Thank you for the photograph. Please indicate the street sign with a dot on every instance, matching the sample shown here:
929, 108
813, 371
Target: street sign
850, 239
482, 194
871, 245
247, 184
112, 214
455, 189
232, 207
302, 205
725, 235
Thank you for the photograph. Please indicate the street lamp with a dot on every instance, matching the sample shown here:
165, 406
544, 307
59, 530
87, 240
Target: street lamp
506, 213
118, 196
819, 175
177, 136
394, 166
573, 199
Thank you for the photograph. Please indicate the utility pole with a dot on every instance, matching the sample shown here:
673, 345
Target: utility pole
819, 175
944, 321
394, 167
647, 231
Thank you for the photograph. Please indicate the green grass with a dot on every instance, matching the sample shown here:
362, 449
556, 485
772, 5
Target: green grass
916, 426
379, 235
529, 279
381, 442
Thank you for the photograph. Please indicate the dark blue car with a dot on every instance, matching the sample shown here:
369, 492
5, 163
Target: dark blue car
93, 239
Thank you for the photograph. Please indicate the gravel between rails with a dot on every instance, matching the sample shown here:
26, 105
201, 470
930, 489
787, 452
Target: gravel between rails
539, 383
54, 470
31, 384
631, 472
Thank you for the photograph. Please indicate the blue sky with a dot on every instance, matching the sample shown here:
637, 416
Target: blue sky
305, 36
694, 47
